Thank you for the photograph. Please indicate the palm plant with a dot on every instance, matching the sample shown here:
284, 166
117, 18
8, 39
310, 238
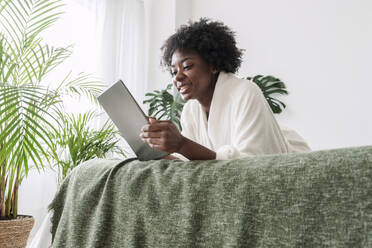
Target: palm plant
28, 109
164, 106
76, 141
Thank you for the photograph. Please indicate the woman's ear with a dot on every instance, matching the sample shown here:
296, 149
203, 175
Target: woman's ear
213, 70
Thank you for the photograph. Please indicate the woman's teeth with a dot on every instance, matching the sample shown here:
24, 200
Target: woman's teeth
183, 89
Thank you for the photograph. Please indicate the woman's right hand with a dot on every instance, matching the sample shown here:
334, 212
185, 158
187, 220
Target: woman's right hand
162, 135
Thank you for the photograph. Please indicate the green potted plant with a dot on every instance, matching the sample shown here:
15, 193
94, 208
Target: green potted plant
77, 141
270, 85
28, 109
162, 104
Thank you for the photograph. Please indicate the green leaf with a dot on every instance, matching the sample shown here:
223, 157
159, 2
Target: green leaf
162, 104
270, 85
8, 149
32, 152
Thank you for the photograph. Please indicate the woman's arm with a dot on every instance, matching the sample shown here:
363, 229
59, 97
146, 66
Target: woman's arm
195, 151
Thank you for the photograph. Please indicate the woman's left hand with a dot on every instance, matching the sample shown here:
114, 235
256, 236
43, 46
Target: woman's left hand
162, 135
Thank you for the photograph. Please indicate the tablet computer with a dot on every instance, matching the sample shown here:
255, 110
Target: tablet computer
129, 118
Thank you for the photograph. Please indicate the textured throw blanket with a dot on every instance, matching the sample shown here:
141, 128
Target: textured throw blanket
317, 199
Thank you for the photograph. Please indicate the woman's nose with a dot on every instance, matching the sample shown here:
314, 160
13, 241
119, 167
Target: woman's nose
180, 76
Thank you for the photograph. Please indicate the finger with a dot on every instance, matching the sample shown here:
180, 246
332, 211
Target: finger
158, 147
154, 127
153, 141
151, 134
161, 126
164, 121
152, 120
145, 128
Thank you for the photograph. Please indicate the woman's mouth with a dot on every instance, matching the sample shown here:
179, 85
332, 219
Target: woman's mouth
184, 89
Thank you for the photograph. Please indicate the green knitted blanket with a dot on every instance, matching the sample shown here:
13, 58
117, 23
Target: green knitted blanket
316, 199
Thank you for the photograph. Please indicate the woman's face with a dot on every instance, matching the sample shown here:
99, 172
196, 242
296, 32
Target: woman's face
193, 77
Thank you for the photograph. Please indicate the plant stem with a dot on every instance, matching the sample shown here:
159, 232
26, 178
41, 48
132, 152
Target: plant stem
2, 196
15, 200
10, 194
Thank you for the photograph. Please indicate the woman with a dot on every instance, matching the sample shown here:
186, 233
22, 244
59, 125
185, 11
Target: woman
225, 117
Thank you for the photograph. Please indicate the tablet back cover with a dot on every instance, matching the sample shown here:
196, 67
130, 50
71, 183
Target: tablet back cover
129, 118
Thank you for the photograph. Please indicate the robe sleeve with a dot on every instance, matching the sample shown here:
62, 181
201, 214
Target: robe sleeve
187, 129
254, 127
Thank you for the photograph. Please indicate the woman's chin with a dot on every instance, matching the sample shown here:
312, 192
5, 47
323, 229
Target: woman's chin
186, 97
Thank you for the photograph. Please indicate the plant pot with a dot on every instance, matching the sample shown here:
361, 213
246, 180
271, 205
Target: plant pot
14, 233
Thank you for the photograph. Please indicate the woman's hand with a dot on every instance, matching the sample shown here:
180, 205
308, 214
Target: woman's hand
162, 135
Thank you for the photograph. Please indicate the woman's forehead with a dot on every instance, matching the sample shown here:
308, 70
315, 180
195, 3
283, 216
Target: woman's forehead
181, 56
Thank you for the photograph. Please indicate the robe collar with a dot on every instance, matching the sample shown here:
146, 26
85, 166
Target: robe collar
208, 126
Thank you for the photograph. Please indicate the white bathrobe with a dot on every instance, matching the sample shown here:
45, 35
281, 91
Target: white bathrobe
240, 122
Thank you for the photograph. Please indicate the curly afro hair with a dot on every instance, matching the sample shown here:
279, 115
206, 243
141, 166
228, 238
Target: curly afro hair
212, 40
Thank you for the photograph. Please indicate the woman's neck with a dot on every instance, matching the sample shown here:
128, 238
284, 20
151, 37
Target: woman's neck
206, 101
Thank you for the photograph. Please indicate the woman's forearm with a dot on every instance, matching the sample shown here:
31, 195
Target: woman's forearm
195, 151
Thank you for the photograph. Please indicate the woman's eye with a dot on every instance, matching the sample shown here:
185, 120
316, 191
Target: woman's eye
187, 67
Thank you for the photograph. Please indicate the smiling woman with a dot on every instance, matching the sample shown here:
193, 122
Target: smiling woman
225, 117
193, 77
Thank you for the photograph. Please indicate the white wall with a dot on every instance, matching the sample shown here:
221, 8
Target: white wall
321, 49
162, 17
159, 24
35, 194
